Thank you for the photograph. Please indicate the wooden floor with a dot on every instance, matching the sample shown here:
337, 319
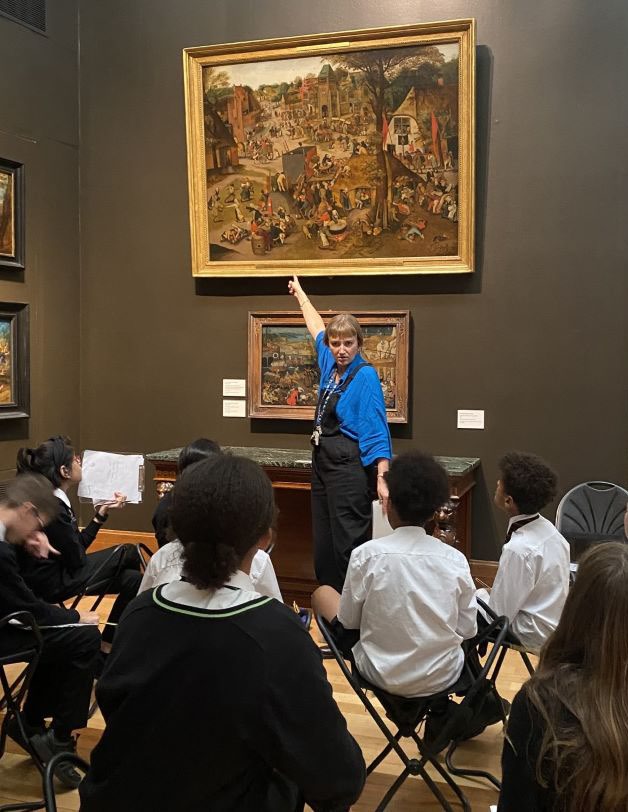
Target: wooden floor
19, 780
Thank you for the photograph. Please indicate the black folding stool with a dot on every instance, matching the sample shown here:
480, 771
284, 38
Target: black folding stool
476, 683
14, 692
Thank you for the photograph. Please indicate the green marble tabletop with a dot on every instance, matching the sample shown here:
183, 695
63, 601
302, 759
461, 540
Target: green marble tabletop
302, 458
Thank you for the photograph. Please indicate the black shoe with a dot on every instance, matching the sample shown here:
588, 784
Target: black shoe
48, 745
437, 717
14, 732
494, 710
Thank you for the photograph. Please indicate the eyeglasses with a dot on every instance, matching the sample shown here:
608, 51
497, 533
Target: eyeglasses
37, 515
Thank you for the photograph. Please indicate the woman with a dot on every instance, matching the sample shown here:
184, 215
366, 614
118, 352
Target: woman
214, 696
351, 441
67, 567
566, 746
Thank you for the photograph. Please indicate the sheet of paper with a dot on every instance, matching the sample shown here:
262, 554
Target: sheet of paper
105, 473
470, 418
233, 388
234, 408
381, 525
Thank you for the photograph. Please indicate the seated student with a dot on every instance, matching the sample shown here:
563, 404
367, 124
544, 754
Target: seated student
65, 571
194, 452
62, 683
410, 595
214, 684
566, 745
532, 579
166, 565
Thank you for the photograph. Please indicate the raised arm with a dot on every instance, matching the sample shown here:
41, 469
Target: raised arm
313, 321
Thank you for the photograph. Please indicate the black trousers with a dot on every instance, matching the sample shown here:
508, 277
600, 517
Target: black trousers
342, 493
100, 566
125, 584
62, 683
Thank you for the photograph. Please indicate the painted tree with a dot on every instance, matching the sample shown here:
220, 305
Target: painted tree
378, 68
215, 84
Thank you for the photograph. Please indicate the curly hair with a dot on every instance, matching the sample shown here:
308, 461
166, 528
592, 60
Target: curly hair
528, 480
417, 485
579, 689
221, 507
47, 459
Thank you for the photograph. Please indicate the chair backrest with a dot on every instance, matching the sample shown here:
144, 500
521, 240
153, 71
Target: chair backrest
592, 512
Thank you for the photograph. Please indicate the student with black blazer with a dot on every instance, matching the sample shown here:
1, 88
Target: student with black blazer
62, 682
69, 567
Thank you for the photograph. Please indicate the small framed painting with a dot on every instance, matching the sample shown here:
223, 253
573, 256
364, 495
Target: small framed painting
282, 370
14, 361
11, 214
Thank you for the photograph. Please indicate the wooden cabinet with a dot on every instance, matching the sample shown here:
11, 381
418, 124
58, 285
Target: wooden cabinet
289, 471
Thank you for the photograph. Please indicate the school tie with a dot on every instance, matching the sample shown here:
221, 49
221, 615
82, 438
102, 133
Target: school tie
521, 523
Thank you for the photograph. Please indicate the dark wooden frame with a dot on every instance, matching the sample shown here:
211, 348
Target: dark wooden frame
292, 318
18, 314
15, 260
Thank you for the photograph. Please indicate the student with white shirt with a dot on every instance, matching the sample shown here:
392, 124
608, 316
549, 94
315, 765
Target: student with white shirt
409, 596
215, 684
167, 563
532, 579
68, 566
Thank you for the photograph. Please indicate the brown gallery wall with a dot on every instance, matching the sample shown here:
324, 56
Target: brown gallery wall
39, 128
538, 337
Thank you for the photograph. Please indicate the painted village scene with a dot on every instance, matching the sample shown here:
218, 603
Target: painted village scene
6, 366
353, 155
290, 372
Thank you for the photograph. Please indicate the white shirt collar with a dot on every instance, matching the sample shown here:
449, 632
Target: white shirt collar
3, 531
238, 589
521, 516
63, 496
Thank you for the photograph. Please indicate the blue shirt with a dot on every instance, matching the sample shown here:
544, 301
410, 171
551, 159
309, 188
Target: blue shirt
361, 410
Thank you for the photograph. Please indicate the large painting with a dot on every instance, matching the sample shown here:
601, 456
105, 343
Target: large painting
11, 214
14, 360
348, 153
283, 375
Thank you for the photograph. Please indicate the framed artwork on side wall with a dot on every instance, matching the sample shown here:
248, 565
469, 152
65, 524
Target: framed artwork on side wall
330, 154
11, 214
282, 370
14, 361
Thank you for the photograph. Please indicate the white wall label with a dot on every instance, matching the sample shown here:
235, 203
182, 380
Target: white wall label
470, 418
234, 408
233, 388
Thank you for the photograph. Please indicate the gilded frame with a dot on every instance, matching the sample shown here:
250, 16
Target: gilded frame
14, 360
297, 364
11, 214
219, 144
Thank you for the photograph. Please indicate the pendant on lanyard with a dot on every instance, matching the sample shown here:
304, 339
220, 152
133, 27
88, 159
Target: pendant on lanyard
315, 439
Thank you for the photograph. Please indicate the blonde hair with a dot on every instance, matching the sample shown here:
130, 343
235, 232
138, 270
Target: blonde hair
344, 324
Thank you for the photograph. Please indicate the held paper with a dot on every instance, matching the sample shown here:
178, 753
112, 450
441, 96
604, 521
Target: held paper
105, 473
